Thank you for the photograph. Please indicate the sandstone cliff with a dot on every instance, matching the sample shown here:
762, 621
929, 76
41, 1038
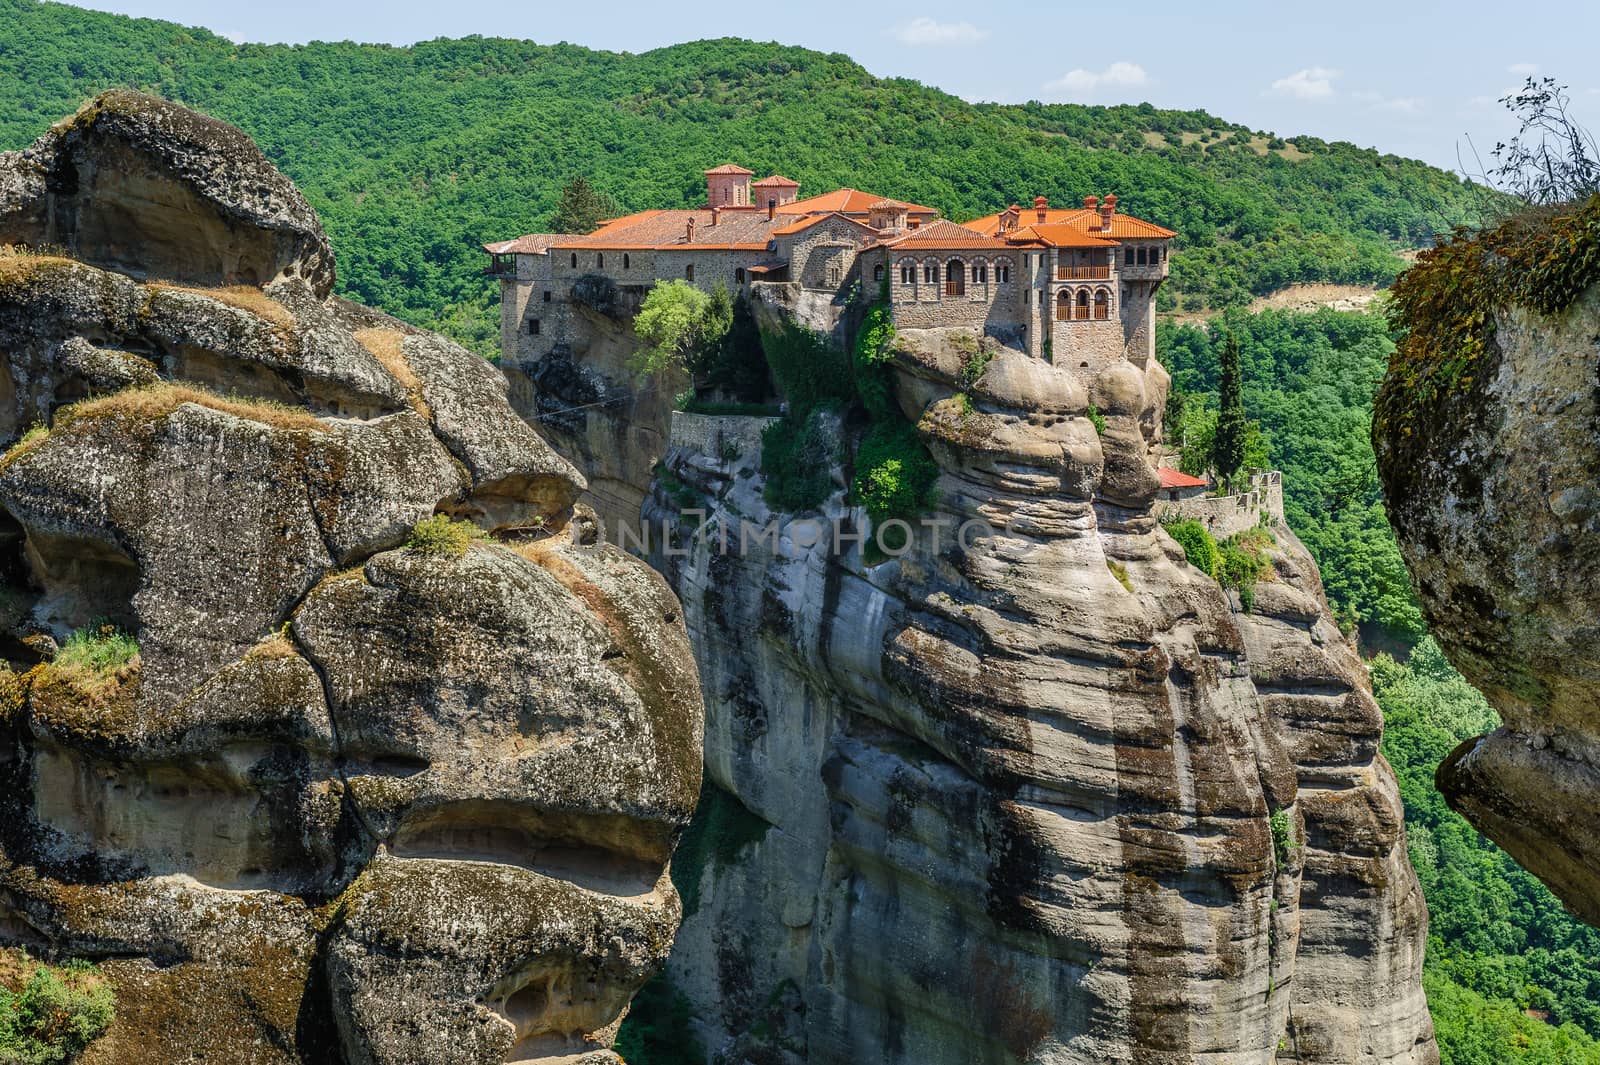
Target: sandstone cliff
1486, 435
1053, 796
352, 801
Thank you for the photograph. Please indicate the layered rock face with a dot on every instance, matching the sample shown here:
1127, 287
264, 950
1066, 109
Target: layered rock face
1494, 499
351, 802
986, 802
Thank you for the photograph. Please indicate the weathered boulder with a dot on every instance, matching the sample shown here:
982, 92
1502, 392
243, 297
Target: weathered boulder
1488, 440
1039, 791
314, 791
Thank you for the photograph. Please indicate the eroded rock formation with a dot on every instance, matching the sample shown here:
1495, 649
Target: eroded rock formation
351, 802
1051, 796
1493, 482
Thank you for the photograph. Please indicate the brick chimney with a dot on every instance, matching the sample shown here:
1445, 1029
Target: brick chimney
1091, 203
1107, 209
772, 209
716, 215
1009, 218
1040, 206
689, 230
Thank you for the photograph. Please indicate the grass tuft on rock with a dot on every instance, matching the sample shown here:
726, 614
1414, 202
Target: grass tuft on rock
442, 536
246, 298
159, 400
388, 347
50, 1014
96, 654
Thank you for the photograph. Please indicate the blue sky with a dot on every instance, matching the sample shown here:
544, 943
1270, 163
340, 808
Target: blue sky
1406, 77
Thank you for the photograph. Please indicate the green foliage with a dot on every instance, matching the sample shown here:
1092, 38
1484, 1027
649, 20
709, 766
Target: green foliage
680, 325
443, 537
657, 1031
1443, 308
721, 828
1228, 438
414, 156
1283, 844
1499, 942
581, 208
1309, 380
895, 475
973, 365
874, 350
1120, 572
806, 368
99, 650
1097, 420
736, 363
56, 1013
1198, 544
796, 458
1241, 561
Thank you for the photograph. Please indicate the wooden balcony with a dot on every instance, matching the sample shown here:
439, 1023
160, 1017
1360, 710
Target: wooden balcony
955, 288
1083, 273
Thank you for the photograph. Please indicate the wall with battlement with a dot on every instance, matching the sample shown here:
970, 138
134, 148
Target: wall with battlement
1224, 516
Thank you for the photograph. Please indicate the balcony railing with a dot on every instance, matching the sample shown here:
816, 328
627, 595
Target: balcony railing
955, 288
502, 266
1083, 273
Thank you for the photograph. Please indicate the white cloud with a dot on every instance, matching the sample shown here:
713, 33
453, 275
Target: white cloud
1405, 105
924, 31
1312, 83
1523, 70
1082, 83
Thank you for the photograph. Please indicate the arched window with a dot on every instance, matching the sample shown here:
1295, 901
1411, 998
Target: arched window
627, 260
574, 260
688, 272
877, 272
1142, 255
600, 260
1102, 304
930, 273
738, 275
980, 273
955, 278
1127, 256
834, 274
1083, 304
908, 273
1002, 271
1063, 306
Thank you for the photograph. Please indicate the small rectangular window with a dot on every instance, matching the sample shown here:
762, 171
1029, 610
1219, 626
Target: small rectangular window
547, 295
533, 327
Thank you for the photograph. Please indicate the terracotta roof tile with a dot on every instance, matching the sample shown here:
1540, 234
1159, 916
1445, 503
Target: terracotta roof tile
531, 244
942, 234
1122, 225
1057, 235
775, 181
734, 231
729, 168
807, 221
845, 201
1175, 479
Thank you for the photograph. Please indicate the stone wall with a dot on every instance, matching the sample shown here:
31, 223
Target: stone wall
713, 434
1224, 516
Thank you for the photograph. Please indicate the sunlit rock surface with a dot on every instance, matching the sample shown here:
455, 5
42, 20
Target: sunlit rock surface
986, 803
351, 803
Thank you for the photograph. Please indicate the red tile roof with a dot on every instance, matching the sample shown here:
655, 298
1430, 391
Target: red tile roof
729, 168
1057, 235
1122, 225
845, 201
941, 234
734, 231
775, 181
1175, 479
531, 244
805, 222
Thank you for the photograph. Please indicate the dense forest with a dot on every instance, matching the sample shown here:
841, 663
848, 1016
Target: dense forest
414, 156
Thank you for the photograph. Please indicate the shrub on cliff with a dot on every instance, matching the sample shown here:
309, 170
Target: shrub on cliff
680, 325
895, 475
52, 1014
796, 456
443, 537
1198, 545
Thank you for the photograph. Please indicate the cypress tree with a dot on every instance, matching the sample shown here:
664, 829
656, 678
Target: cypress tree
1227, 446
581, 208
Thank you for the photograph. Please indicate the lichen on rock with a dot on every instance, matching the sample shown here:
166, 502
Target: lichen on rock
321, 797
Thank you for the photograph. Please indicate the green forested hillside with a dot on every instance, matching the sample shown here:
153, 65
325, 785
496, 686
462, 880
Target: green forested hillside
416, 155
